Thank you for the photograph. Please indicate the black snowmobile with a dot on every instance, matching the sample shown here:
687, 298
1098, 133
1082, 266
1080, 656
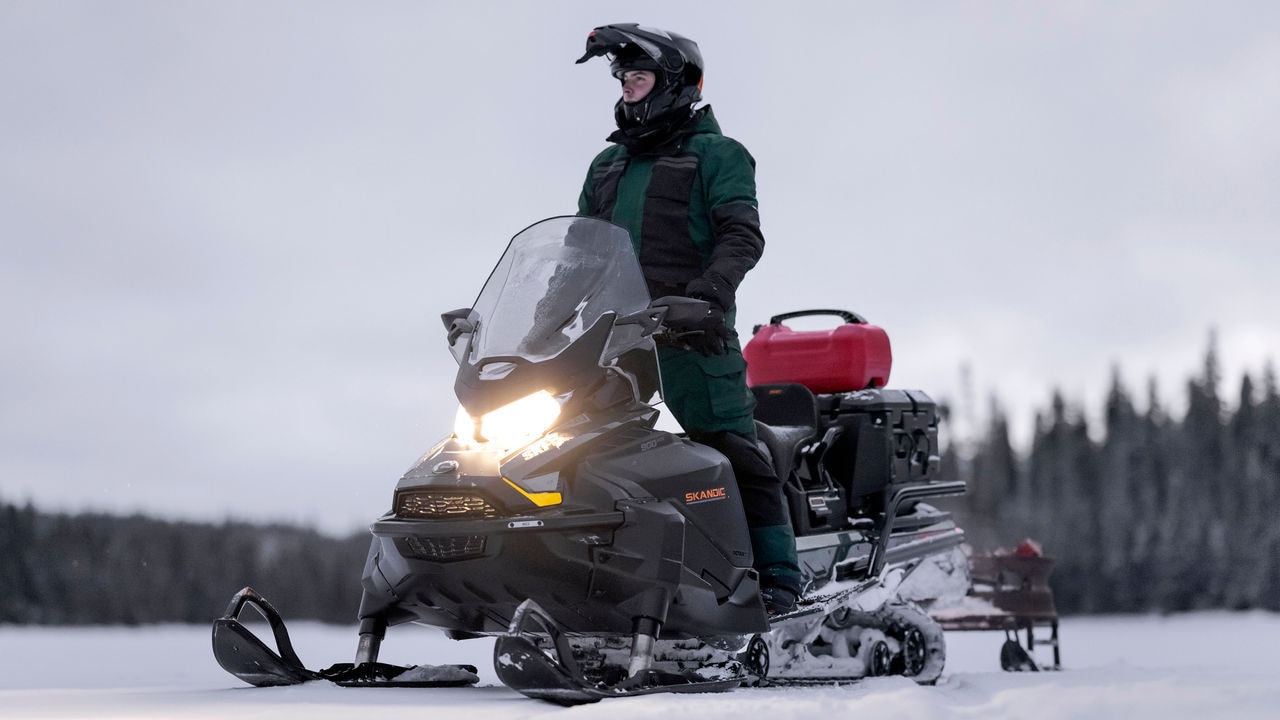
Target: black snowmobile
610, 558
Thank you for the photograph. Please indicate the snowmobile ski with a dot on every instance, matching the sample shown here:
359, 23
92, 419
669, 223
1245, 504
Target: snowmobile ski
1013, 658
240, 652
542, 665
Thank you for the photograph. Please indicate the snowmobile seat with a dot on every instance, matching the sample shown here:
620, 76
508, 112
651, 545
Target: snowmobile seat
786, 405
787, 421
789, 413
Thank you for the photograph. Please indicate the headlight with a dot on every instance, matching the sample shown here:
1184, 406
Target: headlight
513, 425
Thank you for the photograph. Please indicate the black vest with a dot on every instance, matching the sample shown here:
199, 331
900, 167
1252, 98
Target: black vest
668, 255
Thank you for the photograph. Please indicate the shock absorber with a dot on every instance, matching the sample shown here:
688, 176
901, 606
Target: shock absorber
642, 640
372, 631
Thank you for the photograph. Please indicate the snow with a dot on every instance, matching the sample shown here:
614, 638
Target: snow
1188, 666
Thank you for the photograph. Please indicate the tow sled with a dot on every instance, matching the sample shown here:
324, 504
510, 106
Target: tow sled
1010, 592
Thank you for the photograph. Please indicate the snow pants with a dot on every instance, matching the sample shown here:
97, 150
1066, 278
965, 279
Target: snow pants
709, 397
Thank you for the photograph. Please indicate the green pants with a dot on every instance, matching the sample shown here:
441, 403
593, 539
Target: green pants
708, 394
709, 397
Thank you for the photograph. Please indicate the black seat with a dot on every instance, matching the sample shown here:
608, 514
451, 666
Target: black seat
787, 421
789, 414
786, 405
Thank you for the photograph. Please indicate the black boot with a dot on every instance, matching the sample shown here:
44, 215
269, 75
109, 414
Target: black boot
779, 595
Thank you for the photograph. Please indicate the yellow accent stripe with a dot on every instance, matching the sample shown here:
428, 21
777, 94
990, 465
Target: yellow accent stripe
542, 499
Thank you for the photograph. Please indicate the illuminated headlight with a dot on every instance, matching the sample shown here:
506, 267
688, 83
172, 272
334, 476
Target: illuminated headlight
513, 425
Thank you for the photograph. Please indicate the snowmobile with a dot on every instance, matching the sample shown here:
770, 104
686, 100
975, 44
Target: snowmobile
608, 557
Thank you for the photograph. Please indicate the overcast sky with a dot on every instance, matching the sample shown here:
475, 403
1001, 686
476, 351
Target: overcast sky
227, 229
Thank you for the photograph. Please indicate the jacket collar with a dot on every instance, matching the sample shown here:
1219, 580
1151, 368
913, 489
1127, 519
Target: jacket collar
666, 138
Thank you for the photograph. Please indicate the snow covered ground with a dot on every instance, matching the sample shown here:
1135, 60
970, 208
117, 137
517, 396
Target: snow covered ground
1207, 665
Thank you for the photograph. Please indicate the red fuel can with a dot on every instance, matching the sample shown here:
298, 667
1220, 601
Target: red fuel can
852, 356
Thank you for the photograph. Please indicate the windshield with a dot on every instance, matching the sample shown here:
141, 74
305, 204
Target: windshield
555, 280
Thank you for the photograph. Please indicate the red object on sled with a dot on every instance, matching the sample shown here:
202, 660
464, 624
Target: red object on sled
852, 356
1028, 548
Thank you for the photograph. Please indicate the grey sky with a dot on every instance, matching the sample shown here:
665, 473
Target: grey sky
227, 229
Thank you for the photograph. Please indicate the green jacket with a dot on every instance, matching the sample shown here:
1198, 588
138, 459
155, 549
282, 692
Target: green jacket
689, 204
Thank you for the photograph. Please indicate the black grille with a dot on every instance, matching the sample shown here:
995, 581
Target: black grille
438, 505
457, 547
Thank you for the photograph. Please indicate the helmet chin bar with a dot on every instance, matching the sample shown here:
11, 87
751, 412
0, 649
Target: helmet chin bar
658, 105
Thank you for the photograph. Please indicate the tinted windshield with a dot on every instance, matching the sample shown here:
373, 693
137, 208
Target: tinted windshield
555, 280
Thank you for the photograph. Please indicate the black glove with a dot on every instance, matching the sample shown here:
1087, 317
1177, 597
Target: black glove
712, 288
709, 334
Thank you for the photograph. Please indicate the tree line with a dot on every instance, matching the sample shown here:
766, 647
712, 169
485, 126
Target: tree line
1161, 514
102, 569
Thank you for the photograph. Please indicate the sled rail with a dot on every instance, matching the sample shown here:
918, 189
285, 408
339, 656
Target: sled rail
904, 494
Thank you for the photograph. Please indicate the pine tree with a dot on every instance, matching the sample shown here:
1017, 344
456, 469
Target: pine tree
1063, 474
991, 508
1242, 507
1268, 537
1120, 468
1151, 492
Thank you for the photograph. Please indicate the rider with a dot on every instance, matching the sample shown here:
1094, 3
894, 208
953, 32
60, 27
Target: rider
687, 195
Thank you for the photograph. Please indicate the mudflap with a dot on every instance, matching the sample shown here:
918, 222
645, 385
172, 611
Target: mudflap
243, 654
548, 671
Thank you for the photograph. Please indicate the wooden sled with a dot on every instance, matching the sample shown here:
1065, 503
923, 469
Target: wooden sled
1009, 593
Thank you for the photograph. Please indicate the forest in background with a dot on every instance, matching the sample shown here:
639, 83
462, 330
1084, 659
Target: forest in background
91, 569
1159, 514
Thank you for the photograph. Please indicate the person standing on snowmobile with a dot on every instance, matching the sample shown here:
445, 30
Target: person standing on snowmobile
686, 193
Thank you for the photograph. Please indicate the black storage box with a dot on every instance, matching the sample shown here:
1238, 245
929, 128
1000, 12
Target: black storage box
890, 437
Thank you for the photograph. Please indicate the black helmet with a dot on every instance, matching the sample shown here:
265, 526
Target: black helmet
674, 59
